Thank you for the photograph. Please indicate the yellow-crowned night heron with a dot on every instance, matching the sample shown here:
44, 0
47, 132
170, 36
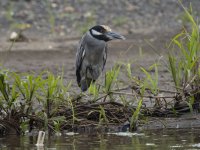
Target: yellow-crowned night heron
92, 54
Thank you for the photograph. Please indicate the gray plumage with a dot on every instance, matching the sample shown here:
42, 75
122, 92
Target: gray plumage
91, 58
92, 54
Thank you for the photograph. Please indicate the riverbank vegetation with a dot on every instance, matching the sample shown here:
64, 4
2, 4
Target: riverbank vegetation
45, 102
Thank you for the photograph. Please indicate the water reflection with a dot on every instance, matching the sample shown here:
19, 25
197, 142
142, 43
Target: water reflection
156, 139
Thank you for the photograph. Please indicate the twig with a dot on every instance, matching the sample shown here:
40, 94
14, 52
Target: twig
146, 96
161, 90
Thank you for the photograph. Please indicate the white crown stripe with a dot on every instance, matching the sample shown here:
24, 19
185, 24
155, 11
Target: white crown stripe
96, 32
106, 27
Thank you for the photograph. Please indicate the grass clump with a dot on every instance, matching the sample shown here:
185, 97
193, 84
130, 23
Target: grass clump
184, 61
25, 99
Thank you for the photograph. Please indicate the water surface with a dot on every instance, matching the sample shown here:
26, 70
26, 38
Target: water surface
155, 139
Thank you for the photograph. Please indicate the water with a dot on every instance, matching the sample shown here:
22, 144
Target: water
155, 139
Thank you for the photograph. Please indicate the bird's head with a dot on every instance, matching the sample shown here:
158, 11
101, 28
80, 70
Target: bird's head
102, 32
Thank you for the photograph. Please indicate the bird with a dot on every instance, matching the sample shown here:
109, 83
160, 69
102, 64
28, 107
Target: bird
91, 54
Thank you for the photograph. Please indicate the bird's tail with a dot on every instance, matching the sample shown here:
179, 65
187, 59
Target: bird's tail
85, 84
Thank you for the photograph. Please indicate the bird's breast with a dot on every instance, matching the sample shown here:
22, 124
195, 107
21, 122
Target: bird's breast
95, 56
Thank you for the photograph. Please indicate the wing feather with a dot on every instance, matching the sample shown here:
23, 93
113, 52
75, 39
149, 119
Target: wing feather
80, 54
104, 56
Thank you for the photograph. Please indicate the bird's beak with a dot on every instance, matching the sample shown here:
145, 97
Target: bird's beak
113, 35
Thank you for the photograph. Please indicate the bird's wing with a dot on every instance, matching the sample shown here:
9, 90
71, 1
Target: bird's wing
80, 54
105, 56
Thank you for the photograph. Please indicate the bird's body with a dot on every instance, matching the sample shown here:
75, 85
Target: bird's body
91, 56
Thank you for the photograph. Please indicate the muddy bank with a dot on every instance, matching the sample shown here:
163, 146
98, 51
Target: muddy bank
54, 53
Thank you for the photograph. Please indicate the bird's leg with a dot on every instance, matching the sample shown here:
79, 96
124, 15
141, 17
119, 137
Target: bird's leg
87, 80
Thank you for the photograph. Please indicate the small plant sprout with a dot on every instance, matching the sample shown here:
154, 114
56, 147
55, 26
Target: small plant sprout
136, 113
102, 116
94, 90
111, 77
152, 79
